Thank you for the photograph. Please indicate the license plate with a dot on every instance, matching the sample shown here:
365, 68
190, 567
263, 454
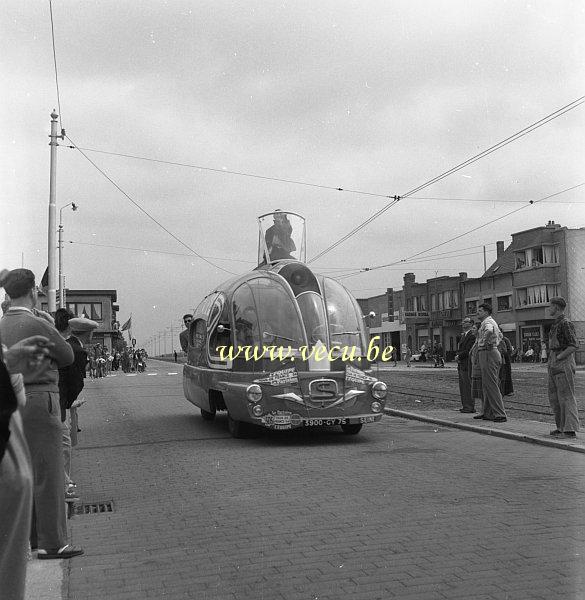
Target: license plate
331, 421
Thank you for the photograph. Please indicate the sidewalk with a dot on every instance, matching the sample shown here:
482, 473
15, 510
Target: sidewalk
534, 432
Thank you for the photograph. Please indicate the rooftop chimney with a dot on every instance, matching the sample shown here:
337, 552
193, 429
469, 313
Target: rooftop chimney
463, 276
499, 249
409, 278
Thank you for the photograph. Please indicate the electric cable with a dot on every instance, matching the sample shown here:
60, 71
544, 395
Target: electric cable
152, 251
144, 211
229, 172
543, 121
55, 62
530, 203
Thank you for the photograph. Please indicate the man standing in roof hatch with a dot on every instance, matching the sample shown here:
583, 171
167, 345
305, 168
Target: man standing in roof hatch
278, 237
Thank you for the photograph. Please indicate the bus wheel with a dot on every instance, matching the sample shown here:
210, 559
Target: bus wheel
207, 415
351, 428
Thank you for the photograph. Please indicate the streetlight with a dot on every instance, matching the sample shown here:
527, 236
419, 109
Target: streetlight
61, 281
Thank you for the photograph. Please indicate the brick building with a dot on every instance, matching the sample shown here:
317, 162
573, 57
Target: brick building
98, 305
539, 264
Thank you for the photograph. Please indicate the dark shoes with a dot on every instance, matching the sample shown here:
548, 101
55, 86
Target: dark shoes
60, 553
556, 433
500, 419
570, 434
481, 417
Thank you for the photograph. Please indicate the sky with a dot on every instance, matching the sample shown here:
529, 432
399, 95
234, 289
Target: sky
373, 96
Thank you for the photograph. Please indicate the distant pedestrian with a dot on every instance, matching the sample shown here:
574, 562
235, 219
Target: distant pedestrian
408, 355
543, 353
562, 344
488, 338
175, 353
505, 374
464, 366
529, 354
184, 335
439, 355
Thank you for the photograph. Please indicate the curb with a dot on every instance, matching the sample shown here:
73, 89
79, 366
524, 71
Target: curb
510, 435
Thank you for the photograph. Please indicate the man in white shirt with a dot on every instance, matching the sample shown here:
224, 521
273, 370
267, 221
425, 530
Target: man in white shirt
490, 359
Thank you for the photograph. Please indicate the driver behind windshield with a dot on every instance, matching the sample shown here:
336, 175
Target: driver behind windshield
278, 237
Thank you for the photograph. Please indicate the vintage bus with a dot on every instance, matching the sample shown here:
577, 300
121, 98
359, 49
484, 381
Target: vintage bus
282, 347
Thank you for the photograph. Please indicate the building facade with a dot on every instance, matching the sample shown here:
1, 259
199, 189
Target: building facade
539, 264
98, 305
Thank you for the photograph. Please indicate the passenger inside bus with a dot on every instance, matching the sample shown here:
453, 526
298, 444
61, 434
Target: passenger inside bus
247, 330
278, 237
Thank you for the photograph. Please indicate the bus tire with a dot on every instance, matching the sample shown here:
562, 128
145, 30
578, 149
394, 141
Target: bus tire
351, 428
207, 415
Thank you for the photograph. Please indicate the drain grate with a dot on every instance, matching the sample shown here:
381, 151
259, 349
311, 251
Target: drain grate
95, 508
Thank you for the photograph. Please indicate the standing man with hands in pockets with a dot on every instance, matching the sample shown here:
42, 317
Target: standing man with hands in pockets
464, 366
490, 359
561, 371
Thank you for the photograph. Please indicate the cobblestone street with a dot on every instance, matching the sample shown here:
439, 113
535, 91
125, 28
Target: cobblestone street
403, 510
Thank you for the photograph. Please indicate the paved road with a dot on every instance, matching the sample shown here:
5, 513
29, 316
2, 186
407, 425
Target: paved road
403, 510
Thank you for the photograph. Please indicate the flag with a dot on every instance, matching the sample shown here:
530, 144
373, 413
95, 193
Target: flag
126, 325
45, 281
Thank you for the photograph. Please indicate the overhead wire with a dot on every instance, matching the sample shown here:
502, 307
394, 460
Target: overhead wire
230, 172
406, 260
153, 251
55, 62
543, 121
144, 211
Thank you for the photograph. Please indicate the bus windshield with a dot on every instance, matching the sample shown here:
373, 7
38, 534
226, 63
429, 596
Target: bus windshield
265, 315
344, 315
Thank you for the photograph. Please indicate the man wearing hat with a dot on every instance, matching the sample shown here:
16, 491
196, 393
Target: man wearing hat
41, 416
77, 332
562, 342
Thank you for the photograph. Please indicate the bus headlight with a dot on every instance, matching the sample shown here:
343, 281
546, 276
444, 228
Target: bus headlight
376, 407
379, 390
257, 410
254, 393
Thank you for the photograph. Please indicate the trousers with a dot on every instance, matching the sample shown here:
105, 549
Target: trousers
467, 400
561, 393
43, 430
489, 364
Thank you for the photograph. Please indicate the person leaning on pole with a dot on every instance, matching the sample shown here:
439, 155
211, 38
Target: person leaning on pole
41, 416
562, 343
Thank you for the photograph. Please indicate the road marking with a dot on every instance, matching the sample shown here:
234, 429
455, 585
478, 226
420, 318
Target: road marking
172, 373
131, 374
152, 373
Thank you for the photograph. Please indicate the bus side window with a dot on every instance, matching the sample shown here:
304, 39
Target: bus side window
198, 334
246, 318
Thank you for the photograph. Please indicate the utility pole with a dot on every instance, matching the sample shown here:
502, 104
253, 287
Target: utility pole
52, 291
484, 261
172, 337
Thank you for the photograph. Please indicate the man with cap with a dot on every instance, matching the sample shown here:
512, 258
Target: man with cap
562, 342
41, 416
77, 332
464, 366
